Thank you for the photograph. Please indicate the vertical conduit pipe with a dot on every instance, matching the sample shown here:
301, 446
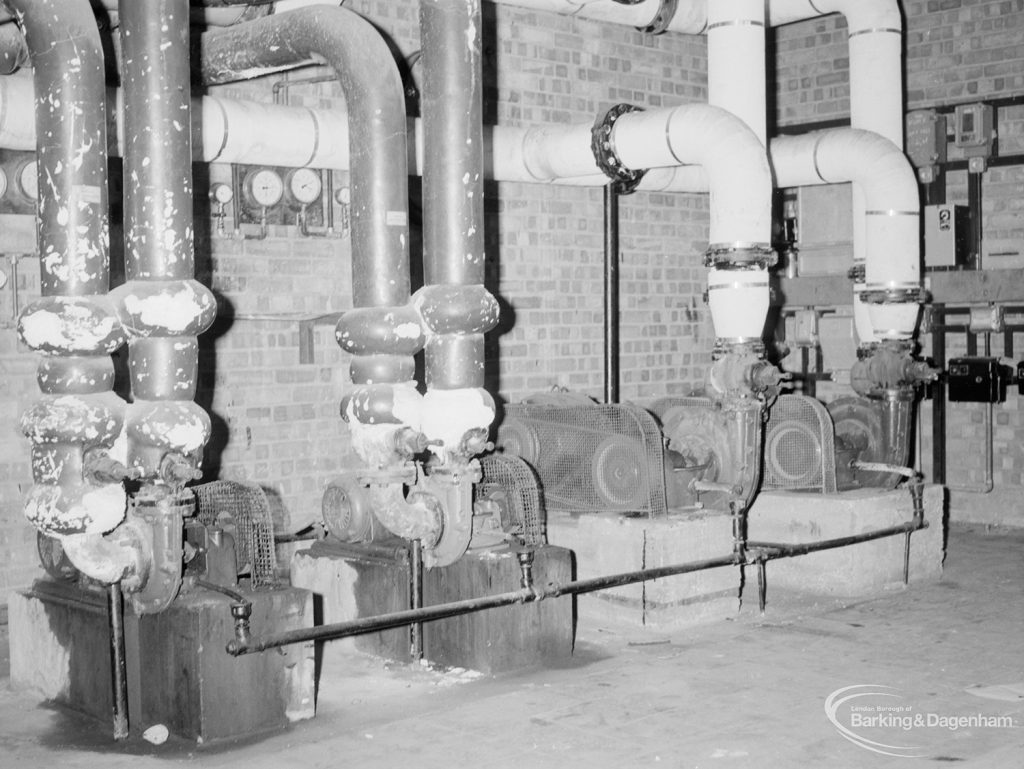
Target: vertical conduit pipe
73, 325
611, 292
161, 305
384, 331
456, 307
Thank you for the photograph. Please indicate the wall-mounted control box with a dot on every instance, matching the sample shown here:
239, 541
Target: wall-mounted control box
946, 236
976, 380
974, 134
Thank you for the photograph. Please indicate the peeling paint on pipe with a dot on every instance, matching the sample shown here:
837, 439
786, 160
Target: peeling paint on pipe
162, 307
383, 327
72, 324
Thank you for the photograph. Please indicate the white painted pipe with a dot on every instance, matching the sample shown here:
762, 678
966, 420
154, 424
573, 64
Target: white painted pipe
891, 224
736, 61
690, 16
226, 131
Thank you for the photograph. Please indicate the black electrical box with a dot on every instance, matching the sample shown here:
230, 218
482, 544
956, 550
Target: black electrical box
976, 380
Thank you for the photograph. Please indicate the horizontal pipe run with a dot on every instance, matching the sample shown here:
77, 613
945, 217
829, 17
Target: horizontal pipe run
468, 606
772, 550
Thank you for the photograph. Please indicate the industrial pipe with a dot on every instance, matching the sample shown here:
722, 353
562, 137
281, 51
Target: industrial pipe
161, 305
456, 608
455, 306
383, 332
891, 222
78, 417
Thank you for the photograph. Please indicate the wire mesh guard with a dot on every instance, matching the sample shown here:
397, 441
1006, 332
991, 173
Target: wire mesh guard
799, 446
244, 506
590, 458
512, 484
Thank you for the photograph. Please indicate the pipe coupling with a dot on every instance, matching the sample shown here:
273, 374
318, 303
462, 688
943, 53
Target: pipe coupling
894, 295
71, 326
659, 24
605, 156
739, 256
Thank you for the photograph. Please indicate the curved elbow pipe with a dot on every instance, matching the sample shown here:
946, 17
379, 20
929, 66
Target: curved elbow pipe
875, 34
892, 210
377, 125
383, 333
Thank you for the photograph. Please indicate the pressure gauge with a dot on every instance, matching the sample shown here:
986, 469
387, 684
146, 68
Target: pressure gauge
264, 187
28, 181
221, 193
304, 185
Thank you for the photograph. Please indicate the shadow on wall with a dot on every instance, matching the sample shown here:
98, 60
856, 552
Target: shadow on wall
202, 227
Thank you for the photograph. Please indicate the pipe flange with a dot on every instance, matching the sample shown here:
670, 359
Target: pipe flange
604, 152
666, 12
740, 256
908, 295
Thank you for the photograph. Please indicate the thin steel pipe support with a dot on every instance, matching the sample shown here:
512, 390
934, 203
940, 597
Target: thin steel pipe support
118, 660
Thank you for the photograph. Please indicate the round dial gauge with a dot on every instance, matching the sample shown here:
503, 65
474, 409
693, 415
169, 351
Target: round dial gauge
28, 181
304, 185
221, 193
264, 187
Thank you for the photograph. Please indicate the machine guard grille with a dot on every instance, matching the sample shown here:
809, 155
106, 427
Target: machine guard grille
592, 457
799, 446
511, 482
244, 506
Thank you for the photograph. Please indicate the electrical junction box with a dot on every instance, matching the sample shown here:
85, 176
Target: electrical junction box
926, 142
976, 380
974, 130
946, 231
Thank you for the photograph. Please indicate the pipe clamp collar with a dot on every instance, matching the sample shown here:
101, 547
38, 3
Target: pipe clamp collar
604, 150
739, 256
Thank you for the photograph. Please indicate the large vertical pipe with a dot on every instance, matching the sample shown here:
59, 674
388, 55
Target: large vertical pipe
72, 325
456, 307
384, 331
162, 306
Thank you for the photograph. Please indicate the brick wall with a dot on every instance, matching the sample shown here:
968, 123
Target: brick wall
276, 417
956, 51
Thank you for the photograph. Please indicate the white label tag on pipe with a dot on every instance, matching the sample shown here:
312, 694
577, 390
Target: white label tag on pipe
87, 193
396, 219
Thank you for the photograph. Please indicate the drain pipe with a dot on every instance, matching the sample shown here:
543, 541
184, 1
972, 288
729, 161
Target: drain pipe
77, 494
384, 331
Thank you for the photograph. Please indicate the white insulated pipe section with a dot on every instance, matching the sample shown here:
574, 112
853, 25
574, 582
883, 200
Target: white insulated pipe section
737, 63
739, 299
226, 131
892, 210
690, 16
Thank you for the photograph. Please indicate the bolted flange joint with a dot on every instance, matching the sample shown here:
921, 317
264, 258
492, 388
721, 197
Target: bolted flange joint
607, 159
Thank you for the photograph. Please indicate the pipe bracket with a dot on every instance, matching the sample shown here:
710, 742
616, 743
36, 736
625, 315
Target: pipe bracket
605, 157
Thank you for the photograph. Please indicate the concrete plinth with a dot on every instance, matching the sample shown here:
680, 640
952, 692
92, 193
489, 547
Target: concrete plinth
611, 543
856, 570
178, 671
350, 583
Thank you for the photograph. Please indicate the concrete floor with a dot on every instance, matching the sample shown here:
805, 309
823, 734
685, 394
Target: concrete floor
745, 693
